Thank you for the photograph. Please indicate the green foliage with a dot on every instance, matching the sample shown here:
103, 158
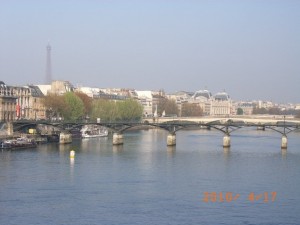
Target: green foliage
260, 110
129, 110
87, 101
106, 110
240, 111
271, 111
74, 107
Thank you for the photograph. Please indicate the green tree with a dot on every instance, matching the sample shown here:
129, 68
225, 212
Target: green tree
240, 111
106, 110
129, 110
260, 110
87, 101
189, 110
274, 111
74, 108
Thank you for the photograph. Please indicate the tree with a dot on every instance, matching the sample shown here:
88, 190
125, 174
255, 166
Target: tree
271, 111
87, 101
127, 110
54, 105
240, 111
189, 110
167, 105
74, 108
275, 111
260, 110
104, 109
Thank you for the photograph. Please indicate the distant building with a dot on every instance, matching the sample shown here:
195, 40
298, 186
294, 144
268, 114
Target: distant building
180, 97
36, 108
91, 92
21, 103
125, 92
7, 103
57, 87
146, 100
221, 105
204, 99
61, 87
246, 107
218, 105
29, 103
265, 104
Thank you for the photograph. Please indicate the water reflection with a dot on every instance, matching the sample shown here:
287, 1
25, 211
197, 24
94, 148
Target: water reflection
117, 149
146, 180
226, 151
72, 163
283, 153
64, 147
171, 150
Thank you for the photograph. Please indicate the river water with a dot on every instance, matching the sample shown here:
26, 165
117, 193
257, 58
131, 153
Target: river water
145, 182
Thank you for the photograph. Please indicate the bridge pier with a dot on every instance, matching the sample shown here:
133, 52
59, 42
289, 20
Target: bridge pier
117, 139
65, 137
171, 139
261, 128
10, 128
226, 141
284, 142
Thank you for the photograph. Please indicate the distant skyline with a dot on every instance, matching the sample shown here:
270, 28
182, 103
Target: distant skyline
249, 48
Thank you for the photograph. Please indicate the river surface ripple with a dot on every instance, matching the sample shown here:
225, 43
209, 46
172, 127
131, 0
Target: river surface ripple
146, 182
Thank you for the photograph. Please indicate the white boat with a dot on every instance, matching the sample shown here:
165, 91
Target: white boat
91, 131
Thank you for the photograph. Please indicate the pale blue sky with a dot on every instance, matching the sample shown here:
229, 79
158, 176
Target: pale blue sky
249, 48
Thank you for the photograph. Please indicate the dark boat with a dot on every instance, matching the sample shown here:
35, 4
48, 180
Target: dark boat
18, 143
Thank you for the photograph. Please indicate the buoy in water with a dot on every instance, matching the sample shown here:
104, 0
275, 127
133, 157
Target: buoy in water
72, 154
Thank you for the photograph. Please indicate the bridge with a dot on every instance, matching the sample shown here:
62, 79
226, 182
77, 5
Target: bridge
225, 125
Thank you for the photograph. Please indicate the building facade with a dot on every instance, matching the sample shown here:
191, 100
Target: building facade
204, 99
21, 103
7, 103
221, 105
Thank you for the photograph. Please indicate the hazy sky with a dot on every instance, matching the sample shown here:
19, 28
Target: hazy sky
250, 48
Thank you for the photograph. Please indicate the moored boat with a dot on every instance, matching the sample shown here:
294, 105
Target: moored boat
92, 131
18, 143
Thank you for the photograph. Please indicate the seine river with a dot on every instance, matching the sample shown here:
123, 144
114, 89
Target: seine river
145, 182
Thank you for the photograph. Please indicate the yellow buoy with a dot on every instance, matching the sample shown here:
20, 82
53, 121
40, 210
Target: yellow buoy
72, 154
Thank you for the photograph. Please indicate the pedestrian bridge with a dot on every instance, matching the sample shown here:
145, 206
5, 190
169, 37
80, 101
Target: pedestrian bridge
226, 125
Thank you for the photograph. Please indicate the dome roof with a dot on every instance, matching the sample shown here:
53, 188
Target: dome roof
2, 84
222, 96
202, 93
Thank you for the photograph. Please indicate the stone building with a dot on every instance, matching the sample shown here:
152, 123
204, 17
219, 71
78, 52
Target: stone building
21, 103
7, 103
29, 103
146, 100
204, 99
36, 108
245, 108
221, 105
56, 87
